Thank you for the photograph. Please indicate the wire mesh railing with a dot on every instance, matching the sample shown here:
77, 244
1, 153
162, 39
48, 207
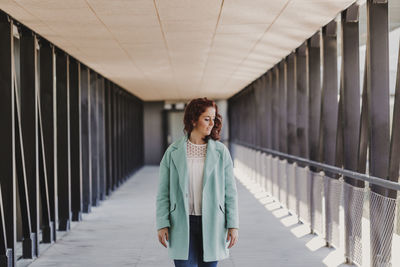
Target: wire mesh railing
360, 222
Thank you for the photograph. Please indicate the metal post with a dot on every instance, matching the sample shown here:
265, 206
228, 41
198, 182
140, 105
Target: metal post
27, 246
85, 140
283, 136
314, 78
378, 110
75, 139
350, 88
29, 120
292, 145
329, 95
302, 100
48, 127
269, 103
63, 142
378, 88
94, 140
349, 122
108, 136
7, 139
275, 109
102, 140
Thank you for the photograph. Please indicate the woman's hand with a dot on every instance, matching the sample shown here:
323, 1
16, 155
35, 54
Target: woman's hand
232, 236
163, 235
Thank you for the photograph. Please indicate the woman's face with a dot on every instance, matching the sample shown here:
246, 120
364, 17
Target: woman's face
205, 122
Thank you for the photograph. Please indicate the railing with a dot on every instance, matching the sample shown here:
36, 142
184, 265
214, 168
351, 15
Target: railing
356, 220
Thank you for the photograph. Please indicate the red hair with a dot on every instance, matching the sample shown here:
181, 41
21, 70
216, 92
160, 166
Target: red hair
192, 113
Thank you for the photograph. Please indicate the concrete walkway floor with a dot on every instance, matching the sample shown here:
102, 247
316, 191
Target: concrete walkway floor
121, 231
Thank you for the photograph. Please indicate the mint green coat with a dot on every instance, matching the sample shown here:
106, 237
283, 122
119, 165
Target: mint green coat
219, 201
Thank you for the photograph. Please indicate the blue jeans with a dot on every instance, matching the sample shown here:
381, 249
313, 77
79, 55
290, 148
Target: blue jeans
195, 258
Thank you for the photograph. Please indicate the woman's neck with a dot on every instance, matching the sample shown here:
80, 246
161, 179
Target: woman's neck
196, 138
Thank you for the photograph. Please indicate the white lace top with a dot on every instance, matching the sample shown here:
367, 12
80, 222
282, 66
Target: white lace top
196, 155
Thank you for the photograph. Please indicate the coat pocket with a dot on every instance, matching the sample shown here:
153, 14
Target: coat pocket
173, 207
221, 208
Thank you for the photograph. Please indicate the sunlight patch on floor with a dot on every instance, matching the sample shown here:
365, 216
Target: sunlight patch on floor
334, 257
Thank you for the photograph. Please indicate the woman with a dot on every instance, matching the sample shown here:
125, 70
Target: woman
197, 206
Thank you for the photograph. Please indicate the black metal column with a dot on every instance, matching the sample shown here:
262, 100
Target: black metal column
108, 136
28, 109
378, 110
292, 145
7, 177
349, 116
329, 95
119, 145
378, 89
75, 139
102, 140
269, 107
275, 109
329, 108
85, 139
63, 142
350, 89
314, 78
115, 132
94, 137
48, 123
302, 101
283, 137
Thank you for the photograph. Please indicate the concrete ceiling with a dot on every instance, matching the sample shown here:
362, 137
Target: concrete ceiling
177, 49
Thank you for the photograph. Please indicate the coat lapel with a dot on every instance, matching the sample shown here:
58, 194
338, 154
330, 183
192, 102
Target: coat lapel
180, 161
211, 161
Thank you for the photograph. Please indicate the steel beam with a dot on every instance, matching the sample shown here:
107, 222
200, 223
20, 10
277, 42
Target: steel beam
108, 136
85, 139
102, 140
262, 110
275, 109
94, 137
292, 144
48, 128
379, 135
29, 123
329, 95
269, 107
378, 89
63, 141
314, 78
75, 139
349, 118
283, 136
27, 237
7, 141
350, 89
301, 77
329, 112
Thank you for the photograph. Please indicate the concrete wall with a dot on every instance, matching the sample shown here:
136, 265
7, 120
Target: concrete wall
175, 126
153, 132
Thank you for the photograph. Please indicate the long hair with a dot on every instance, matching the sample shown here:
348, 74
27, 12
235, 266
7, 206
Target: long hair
192, 113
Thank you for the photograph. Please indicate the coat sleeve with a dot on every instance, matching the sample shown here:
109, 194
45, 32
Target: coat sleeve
231, 198
162, 202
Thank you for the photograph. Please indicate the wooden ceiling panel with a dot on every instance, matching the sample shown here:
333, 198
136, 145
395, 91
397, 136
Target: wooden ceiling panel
177, 49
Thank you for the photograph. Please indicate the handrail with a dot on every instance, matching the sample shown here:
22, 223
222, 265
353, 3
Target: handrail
333, 169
